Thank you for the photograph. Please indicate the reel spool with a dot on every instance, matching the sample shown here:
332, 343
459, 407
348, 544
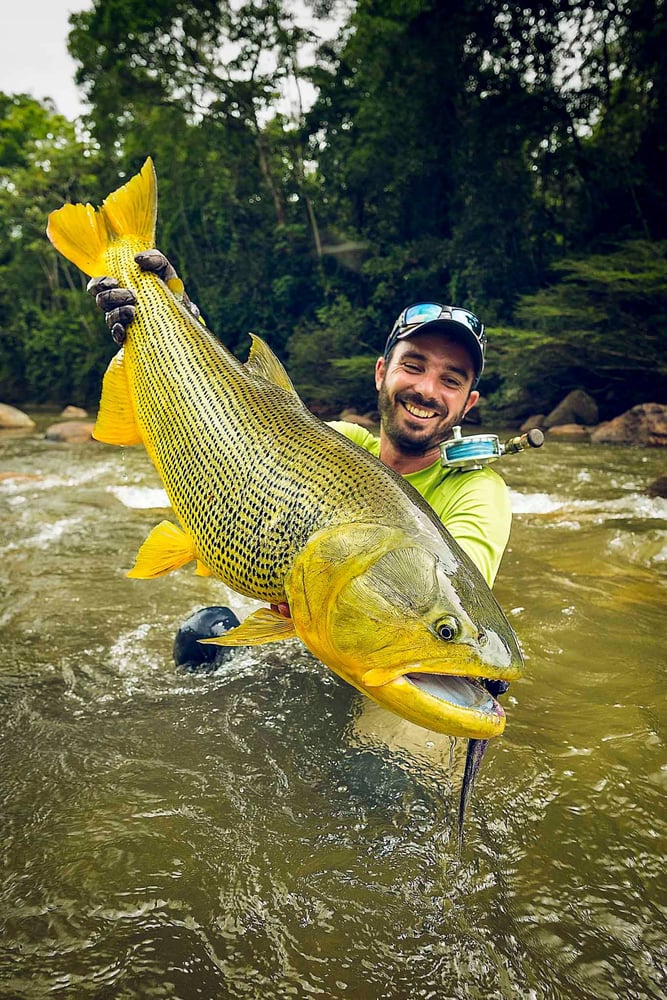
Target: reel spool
478, 450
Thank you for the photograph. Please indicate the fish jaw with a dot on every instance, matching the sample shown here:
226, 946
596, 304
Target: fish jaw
442, 703
368, 602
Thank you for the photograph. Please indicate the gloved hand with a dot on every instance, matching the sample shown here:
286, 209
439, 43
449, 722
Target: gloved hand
119, 304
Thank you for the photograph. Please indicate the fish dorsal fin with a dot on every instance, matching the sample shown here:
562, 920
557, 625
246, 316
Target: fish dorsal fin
261, 626
167, 548
82, 233
115, 422
263, 362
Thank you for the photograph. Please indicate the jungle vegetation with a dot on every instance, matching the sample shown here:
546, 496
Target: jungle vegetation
509, 157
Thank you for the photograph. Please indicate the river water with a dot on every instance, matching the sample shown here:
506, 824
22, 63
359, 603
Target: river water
265, 832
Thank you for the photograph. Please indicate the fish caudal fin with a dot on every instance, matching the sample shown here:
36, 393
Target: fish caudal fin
167, 548
82, 233
261, 626
115, 422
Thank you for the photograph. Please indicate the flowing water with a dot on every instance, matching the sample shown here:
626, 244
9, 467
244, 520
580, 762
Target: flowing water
265, 832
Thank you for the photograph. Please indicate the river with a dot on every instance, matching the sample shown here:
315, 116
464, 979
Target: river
263, 831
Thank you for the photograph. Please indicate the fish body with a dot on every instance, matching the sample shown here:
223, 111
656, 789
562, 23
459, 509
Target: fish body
281, 507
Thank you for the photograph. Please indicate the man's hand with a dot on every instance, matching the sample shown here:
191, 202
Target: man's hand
120, 304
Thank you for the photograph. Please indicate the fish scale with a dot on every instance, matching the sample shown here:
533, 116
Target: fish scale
280, 506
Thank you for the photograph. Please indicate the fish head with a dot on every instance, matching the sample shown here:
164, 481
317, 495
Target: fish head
407, 620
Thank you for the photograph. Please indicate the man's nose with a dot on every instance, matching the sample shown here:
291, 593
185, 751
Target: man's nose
427, 385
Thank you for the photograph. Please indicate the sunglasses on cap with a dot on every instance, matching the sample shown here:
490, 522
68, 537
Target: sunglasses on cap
427, 312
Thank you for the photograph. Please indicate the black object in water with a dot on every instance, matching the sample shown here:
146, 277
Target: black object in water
207, 623
474, 755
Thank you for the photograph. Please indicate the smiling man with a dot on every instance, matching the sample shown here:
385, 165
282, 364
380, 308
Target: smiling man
427, 381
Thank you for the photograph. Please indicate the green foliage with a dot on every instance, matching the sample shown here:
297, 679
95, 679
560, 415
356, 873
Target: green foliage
600, 326
463, 152
327, 362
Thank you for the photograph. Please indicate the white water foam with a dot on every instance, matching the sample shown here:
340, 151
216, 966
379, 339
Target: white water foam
534, 503
140, 497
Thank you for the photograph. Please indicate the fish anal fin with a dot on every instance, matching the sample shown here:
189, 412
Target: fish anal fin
263, 362
83, 234
261, 626
167, 548
202, 570
115, 422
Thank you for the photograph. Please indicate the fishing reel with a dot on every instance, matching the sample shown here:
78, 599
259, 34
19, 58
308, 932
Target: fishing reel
478, 450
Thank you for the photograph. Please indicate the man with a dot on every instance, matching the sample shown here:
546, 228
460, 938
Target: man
427, 381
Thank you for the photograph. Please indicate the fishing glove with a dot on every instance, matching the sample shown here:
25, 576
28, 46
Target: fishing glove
119, 304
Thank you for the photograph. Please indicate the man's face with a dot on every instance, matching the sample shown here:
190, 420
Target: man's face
424, 390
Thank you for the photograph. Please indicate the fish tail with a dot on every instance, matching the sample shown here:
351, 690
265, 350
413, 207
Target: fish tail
83, 234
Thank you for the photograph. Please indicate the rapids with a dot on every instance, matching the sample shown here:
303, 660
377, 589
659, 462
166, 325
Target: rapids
265, 832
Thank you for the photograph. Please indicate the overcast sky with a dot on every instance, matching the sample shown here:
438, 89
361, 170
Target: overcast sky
33, 52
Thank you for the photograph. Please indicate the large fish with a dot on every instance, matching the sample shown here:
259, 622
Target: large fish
283, 508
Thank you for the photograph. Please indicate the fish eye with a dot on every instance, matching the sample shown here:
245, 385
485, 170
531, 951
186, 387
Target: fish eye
447, 628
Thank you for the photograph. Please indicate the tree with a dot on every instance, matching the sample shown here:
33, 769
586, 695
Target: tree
51, 345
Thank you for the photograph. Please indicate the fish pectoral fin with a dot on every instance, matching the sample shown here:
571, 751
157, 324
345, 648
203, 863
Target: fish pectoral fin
259, 627
167, 548
263, 362
115, 422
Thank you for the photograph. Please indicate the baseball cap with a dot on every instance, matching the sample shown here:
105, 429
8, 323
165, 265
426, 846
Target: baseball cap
432, 316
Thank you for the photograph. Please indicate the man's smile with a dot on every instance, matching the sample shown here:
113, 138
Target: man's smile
418, 411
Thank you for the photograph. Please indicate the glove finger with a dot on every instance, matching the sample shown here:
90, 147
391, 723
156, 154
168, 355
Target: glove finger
118, 334
156, 262
103, 284
113, 297
123, 315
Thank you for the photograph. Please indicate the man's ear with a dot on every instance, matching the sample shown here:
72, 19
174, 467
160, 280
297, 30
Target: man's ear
380, 369
472, 399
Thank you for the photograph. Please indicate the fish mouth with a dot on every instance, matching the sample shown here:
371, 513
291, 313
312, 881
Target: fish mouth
452, 704
463, 692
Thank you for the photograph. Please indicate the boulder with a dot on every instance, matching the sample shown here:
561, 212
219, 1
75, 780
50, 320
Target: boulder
11, 418
577, 408
74, 413
658, 488
644, 425
569, 432
537, 420
71, 431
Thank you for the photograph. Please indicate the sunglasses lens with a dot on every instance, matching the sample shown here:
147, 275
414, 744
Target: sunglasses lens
422, 313
467, 319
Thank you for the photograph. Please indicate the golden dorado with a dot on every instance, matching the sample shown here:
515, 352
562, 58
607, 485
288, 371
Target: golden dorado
281, 507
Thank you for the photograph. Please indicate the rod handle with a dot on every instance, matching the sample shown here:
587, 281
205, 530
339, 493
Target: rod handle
534, 438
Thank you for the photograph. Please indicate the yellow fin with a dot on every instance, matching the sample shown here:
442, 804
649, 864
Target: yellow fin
261, 626
263, 362
202, 570
167, 548
115, 422
82, 234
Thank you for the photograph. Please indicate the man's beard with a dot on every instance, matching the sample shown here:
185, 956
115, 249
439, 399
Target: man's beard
405, 441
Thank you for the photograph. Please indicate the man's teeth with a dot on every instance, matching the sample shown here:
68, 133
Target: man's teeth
417, 411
